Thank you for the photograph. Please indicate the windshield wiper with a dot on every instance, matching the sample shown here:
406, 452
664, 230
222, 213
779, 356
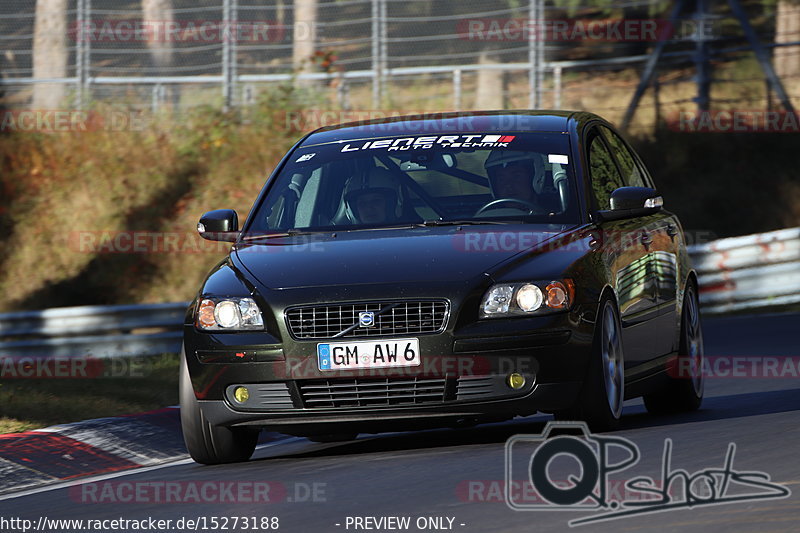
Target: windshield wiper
286, 233
428, 224
378, 228
470, 222
431, 224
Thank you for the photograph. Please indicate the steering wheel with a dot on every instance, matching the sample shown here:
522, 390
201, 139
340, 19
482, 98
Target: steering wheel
494, 203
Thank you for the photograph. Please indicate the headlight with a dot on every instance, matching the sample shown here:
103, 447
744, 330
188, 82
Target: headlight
229, 314
529, 298
520, 299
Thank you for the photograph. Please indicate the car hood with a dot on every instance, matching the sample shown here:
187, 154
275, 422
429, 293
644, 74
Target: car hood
443, 254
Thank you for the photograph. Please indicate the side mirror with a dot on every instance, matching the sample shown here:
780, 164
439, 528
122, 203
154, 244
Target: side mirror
219, 225
631, 202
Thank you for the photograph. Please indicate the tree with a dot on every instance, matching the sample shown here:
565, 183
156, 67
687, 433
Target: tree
305, 34
159, 14
50, 52
787, 29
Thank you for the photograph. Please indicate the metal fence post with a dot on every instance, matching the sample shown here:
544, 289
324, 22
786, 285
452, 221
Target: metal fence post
384, 47
234, 49
343, 93
656, 103
158, 97
80, 17
557, 87
87, 60
227, 94
82, 53
248, 94
535, 52
376, 55
457, 89
702, 58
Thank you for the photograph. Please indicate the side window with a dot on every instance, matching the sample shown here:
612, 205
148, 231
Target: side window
631, 176
603, 172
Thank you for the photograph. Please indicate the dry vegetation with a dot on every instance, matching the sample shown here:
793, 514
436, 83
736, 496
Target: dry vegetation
60, 187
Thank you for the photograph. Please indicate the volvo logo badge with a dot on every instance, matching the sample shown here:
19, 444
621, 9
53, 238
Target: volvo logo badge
366, 319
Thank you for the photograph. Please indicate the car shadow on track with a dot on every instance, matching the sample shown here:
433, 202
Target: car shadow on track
721, 408
427, 439
715, 408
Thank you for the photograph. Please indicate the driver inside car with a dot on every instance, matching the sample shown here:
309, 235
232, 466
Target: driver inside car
372, 206
514, 175
372, 199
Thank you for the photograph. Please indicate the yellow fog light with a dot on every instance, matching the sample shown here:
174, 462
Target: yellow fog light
241, 394
515, 380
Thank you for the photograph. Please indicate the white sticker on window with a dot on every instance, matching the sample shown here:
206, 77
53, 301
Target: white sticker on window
558, 158
305, 157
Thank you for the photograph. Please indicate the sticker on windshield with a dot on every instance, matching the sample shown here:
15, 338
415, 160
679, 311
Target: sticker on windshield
305, 157
427, 142
558, 158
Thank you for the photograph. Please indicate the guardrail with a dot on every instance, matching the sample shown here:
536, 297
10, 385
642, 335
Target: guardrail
93, 331
738, 273
748, 272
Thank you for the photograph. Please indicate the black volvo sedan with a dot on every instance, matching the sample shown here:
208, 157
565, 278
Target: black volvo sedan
439, 271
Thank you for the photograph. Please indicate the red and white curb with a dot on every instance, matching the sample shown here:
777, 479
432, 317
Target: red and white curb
92, 447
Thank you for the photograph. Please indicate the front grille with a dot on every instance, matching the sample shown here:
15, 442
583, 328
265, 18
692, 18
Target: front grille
469, 388
371, 392
273, 396
391, 318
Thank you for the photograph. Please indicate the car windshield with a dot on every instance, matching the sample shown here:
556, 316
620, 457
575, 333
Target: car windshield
402, 180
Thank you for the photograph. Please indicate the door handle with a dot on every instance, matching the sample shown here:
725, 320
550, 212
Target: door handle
646, 239
672, 230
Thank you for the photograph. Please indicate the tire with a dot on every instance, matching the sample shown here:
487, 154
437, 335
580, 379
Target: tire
683, 394
206, 443
603, 393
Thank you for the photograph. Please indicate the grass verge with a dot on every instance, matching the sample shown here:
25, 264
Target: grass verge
122, 386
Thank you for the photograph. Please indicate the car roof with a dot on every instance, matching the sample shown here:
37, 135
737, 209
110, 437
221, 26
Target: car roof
451, 123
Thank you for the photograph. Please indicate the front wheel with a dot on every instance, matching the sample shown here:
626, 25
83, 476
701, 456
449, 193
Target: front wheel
603, 393
684, 392
206, 443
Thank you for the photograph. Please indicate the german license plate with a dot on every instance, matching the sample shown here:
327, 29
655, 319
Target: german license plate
386, 353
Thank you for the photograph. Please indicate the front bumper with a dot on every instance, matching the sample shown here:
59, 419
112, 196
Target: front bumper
466, 367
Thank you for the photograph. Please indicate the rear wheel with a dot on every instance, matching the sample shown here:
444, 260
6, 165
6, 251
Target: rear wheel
684, 393
206, 443
603, 393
